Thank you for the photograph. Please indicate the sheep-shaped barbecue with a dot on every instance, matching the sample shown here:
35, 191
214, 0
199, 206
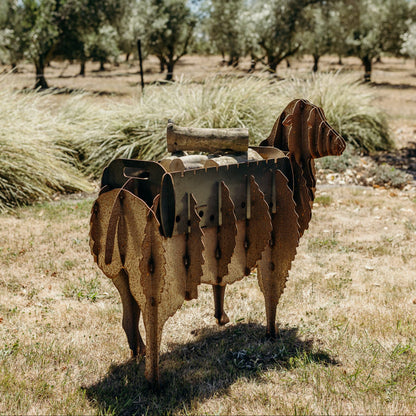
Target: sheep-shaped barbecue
158, 234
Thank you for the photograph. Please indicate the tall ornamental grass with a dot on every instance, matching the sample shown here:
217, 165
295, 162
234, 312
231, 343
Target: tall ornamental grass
46, 147
139, 130
32, 165
347, 104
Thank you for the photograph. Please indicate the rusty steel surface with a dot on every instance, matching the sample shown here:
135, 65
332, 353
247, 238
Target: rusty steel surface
159, 234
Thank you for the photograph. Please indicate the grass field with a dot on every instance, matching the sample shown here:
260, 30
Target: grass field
347, 341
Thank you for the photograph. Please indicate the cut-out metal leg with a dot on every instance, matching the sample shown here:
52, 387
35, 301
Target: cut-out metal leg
220, 315
270, 288
131, 315
273, 268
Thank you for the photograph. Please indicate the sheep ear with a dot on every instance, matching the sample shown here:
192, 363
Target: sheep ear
288, 121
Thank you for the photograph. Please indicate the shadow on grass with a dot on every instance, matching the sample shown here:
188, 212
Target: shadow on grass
393, 86
403, 159
70, 91
199, 369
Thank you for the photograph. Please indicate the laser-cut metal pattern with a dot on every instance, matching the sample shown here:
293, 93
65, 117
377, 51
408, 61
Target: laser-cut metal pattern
160, 233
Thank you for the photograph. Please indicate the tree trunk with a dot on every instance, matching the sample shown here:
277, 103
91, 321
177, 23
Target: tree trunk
253, 64
127, 56
272, 66
82, 69
287, 63
102, 66
40, 75
233, 61
169, 75
315, 63
162, 64
367, 62
340, 60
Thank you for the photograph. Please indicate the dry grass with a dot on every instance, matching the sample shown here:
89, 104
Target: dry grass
347, 318
32, 166
345, 345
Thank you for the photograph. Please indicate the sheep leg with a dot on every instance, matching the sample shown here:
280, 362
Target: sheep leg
269, 287
271, 327
273, 268
154, 326
131, 315
219, 314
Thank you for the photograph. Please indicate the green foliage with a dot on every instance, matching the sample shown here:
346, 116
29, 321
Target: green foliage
373, 27
349, 159
324, 200
277, 24
169, 30
225, 28
140, 131
43, 152
130, 26
83, 289
409, 42
320, 34
41, 20
388, 175
13, 42
320, 244
102, 46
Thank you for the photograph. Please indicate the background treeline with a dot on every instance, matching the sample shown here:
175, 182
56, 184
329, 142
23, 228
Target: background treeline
268, 31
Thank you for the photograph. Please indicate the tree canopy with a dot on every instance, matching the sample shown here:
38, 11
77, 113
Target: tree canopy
268, 31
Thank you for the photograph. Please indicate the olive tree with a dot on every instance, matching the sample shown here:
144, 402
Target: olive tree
169, 31
101, 46
321, 31
41, 19
224, 28
374, 27
409, 42
13, 42
278, 24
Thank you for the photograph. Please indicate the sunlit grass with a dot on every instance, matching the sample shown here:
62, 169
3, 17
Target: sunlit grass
32, 165
344, 347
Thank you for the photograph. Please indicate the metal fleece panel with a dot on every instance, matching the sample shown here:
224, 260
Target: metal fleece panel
204, 185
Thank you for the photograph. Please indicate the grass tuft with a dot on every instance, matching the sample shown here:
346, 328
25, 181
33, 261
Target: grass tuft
139, 131
348, 106
32, 165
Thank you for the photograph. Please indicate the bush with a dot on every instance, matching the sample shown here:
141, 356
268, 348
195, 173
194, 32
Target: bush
32, 166
139, 131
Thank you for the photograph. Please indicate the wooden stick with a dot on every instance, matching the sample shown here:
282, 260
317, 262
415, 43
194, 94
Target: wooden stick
206, 140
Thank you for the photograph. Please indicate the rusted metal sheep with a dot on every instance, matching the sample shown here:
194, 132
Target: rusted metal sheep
158, 230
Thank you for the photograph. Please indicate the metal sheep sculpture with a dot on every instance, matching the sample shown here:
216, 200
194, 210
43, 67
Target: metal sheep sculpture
159, 230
